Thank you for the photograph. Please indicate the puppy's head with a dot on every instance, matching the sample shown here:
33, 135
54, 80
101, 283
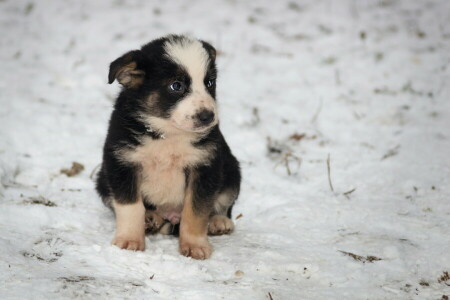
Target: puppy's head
173, 81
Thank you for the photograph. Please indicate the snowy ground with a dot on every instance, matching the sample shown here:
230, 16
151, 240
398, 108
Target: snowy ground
366, 82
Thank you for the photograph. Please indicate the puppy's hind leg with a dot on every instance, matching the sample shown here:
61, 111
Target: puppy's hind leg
153, 222
220, 222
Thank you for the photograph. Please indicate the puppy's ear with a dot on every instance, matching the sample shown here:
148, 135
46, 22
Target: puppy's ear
128, 69
211, 50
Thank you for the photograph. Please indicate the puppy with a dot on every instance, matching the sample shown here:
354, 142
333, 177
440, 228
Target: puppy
165, 159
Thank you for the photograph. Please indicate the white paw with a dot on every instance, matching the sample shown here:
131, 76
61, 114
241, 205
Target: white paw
198, 248
219, 225
129, 243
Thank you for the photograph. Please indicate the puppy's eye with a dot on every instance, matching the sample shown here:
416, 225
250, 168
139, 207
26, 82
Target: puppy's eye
210, 83
177, 86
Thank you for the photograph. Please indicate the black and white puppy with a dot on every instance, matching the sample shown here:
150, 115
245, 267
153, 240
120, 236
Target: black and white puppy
165, 160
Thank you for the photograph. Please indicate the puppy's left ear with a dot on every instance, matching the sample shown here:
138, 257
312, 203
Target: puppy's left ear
211, 50
128, 69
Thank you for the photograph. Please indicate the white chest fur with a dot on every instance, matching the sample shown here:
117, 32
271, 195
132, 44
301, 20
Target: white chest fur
163, 164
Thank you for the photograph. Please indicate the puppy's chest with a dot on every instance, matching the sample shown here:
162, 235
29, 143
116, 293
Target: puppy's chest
163, 164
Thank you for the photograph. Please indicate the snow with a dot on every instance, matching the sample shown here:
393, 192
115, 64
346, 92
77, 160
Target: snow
363, 81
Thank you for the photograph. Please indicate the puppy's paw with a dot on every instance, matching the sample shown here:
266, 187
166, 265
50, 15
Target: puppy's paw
219, 225
198, 248
153, 222
129, 243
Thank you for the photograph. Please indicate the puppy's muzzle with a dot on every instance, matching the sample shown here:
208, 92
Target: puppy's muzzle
205, 117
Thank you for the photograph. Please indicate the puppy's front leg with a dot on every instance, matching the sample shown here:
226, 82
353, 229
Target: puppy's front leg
126, 201
194, 228
130, 229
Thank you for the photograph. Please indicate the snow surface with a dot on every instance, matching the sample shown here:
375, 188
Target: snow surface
363, 81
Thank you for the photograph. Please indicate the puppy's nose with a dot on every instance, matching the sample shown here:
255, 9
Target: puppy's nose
205, 117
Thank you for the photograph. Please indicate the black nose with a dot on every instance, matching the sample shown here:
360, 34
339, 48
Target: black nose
205, 117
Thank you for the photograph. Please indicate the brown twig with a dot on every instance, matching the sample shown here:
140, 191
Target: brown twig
286, 158
329, 173
316, 115
91, 176
256, 119
391, 152
270, 296
363, 259
348, 193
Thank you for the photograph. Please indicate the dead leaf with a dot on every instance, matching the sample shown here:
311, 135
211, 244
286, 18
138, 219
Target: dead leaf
444, 278
297, 136
74, 170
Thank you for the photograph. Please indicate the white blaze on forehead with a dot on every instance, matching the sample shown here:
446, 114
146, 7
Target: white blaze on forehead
190, 54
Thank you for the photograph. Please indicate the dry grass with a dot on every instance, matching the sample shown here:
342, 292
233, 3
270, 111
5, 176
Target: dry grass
287, 159
39, 200
363, 259
347, 194
444, 278
283, 154
391, 152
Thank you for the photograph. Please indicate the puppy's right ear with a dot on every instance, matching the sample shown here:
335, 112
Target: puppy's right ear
128, 69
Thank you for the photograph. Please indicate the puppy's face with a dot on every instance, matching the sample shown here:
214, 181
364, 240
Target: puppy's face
174, 81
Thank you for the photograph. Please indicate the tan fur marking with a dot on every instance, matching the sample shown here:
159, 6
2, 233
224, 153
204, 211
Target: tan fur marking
129, 226
193, 230
128, 76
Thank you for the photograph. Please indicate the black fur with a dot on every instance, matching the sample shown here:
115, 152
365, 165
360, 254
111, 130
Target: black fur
119, 180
